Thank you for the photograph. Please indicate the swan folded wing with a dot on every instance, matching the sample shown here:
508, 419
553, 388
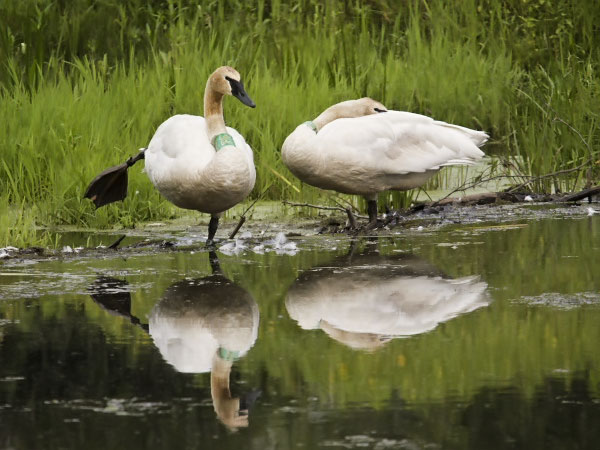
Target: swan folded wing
357, 144
180, 147
422, 145
398, 142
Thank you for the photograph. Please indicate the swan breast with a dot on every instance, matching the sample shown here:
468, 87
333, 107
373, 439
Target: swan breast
184, 166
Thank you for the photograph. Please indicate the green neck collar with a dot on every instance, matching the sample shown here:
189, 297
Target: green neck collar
223, 140
311, 125
228, 355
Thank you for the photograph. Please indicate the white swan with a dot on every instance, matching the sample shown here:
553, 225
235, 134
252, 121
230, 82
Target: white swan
360, 147
198, 319
198, 326
205, 325
194, 162
365, 303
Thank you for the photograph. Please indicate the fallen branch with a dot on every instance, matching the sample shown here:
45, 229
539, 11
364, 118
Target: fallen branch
478, 199
580, 195
115, 244
351, 219
243, 216
308, 205
237, 227
492, 197
323, 207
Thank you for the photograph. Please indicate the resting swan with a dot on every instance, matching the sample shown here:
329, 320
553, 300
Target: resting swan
365, 300
360, 147
194, 162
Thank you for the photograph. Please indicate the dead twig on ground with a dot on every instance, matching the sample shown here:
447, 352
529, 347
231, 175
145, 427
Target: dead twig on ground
243, 216
323, 207
115, 244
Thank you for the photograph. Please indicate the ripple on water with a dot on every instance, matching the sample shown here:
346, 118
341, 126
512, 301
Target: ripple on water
562, 301
364, 441
116, 406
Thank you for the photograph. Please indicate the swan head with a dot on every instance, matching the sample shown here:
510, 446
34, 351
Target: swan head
367, 106
349, 109
358, 108
227, 81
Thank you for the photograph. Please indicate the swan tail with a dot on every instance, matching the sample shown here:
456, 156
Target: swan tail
460, 162
477, 137
111, 185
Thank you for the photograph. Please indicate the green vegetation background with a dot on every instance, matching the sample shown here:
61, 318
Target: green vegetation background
84, 84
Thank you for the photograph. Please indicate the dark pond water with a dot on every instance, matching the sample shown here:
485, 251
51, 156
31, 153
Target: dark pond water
478, 337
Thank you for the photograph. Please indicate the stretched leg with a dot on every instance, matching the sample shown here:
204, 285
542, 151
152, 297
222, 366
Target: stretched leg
372, 210
212, 229
111, 185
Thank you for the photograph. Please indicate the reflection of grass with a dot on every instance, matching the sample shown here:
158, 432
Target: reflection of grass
82, 90
505, 344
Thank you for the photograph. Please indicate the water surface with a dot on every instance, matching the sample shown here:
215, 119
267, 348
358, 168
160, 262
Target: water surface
474, 336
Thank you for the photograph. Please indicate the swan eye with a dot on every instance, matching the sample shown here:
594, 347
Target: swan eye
238, 91
235, 87
379, 110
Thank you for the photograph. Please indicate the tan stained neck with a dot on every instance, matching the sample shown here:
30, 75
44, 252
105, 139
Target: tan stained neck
329, 115
213, 112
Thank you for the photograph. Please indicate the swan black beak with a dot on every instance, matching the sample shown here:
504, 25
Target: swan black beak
238, 91
380, 110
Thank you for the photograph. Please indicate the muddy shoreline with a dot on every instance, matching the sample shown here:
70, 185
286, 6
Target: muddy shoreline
186, 234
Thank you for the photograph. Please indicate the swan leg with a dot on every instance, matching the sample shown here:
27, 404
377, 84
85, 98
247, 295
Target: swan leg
212, 229
214, 262
111, 185
372, 210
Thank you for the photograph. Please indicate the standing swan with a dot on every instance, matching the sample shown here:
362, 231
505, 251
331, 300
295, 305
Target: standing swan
350, 148
195, 162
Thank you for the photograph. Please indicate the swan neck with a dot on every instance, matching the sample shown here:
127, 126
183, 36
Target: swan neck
329, 115
213, 112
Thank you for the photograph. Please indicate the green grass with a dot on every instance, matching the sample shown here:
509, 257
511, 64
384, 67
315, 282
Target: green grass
84, 85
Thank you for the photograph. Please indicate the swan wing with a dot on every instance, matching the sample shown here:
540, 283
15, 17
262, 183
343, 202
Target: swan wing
398, 142
179, 144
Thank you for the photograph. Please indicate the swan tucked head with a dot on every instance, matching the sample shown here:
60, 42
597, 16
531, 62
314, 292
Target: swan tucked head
358, 108
227, 81
365, 106
349, 109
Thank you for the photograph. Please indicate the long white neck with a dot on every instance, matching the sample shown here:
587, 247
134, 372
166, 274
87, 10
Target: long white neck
213, 112
329, 115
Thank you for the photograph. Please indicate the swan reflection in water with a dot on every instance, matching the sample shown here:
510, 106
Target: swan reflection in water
365, 300
198, 326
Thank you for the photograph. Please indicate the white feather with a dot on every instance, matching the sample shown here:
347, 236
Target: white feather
394, 150
186, 169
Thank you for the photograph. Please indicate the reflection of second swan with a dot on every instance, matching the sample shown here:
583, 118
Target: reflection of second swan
371, 299
198, 326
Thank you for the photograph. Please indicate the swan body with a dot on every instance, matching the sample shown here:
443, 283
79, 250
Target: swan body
401, 306
199, 163
373, 299
188, 171
197, 318
195, 162
205, 325
360, 147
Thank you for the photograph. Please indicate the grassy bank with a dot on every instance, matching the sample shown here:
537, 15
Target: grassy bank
85, 84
